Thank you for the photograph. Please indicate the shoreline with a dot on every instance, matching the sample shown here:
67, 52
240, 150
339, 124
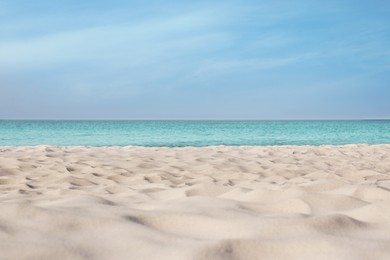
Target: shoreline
189, 146
214, 202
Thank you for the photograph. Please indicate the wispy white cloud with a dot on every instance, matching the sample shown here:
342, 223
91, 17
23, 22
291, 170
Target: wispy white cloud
109, 41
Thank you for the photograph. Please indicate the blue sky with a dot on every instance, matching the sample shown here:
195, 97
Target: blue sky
194, 59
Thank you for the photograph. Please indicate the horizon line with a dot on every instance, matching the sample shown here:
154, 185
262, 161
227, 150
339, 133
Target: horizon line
200, 119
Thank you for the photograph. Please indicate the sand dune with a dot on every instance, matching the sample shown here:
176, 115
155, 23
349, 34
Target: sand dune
281, 202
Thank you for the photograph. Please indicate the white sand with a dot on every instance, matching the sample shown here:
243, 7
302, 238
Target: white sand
328, 202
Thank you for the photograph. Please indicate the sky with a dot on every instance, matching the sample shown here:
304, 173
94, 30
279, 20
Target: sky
210, 59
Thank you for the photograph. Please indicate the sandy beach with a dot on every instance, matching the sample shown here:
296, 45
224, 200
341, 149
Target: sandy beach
277, 202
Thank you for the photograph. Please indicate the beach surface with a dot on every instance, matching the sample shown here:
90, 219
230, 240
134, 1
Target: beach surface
217, 202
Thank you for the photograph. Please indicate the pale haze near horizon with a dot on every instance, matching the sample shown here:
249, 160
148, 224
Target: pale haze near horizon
194, 60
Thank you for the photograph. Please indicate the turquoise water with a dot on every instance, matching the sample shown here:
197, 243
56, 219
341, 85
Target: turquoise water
193, 133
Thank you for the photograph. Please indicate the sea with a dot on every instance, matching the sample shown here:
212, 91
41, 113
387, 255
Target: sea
177, 133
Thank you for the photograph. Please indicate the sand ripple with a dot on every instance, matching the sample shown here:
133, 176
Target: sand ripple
327, 202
